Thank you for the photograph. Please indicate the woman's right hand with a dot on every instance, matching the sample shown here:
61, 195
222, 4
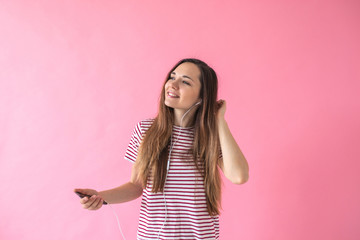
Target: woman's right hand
94, 202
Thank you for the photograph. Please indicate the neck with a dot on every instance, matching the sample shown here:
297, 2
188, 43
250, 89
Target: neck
186, 120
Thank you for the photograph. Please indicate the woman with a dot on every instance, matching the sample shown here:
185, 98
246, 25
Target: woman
177, 157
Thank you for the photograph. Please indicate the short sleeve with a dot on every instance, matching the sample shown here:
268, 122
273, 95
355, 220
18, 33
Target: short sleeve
133, 147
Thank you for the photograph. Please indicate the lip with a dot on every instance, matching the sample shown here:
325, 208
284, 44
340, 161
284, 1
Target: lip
173, 95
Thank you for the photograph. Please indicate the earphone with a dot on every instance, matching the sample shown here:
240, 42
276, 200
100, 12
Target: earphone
117, 219
168, 167
171, 145
168, 162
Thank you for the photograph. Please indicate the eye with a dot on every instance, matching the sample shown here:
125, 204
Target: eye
186, 83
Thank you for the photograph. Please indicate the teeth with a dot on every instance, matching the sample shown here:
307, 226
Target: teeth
171, 94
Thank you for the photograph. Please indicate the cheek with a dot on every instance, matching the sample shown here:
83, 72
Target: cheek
196, 93
192, 96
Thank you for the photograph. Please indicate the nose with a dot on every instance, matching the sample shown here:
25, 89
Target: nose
174, 83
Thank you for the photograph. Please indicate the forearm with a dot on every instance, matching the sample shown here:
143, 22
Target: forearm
124, 193
235, 166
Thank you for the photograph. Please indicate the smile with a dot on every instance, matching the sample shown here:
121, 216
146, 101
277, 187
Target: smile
172, 95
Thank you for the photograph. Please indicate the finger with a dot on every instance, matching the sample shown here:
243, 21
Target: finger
222, 103
89, 202
84, 200
96, 204
219, 104
101, 201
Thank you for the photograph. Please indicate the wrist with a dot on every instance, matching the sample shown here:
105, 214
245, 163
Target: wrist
221, 121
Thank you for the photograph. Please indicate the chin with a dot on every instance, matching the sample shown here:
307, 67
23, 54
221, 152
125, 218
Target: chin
168, 105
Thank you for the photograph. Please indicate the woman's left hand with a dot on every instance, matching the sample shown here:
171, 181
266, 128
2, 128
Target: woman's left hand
221, 109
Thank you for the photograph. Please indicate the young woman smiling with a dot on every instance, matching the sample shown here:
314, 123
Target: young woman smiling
177, 157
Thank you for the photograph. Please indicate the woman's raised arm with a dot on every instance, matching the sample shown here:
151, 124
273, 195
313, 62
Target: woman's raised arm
234, 164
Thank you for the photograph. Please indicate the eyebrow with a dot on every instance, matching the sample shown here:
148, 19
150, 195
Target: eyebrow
184, 76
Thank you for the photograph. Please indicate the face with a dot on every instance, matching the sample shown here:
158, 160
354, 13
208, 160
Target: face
182, 90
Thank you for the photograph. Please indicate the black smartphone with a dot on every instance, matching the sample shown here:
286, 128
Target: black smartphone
82, 195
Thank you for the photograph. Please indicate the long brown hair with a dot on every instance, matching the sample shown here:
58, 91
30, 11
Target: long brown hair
153, 151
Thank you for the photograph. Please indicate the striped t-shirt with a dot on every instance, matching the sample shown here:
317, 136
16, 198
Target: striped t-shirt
186, 215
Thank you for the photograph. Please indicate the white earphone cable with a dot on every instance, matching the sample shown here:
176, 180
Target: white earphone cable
117, 220
168, 163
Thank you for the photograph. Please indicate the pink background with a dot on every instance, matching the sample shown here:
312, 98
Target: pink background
76, 76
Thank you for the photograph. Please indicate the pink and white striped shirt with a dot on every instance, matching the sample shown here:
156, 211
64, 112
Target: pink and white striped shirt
185, 213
